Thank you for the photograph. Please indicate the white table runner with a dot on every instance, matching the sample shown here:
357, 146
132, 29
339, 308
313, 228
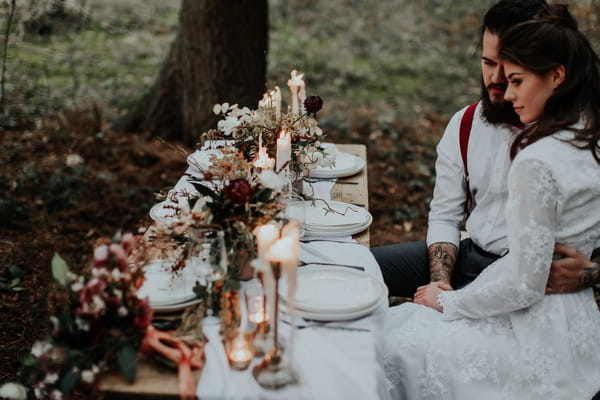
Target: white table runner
331, 364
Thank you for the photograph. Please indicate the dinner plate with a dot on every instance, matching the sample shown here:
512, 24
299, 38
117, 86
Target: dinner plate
160, 212
175, 307
200, 159
317, 215
346, 164
334, 290
342, 231
162, 289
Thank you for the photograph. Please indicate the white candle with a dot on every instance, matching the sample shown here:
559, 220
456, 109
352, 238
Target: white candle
302, 96
265, 235
284, 251
284, 150
262, 159
295, 83
277, 100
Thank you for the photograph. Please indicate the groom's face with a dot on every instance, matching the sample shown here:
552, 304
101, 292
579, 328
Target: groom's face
491, 68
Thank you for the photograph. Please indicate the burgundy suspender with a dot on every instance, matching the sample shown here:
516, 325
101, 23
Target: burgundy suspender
465, 131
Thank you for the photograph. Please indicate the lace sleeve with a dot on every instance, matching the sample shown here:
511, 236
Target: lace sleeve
517, 280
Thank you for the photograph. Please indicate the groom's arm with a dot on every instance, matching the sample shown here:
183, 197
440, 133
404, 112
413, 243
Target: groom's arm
442, 258
573, 272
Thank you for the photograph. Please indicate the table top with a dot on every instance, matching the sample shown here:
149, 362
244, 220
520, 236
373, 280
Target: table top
156, 382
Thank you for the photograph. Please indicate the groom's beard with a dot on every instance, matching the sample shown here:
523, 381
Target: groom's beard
500, 113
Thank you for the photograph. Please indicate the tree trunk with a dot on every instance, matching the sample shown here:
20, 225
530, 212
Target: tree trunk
219, 55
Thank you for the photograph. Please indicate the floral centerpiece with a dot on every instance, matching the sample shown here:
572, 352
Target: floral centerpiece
270, 129
101, 324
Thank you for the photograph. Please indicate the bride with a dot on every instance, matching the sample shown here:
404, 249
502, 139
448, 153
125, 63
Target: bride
501, 337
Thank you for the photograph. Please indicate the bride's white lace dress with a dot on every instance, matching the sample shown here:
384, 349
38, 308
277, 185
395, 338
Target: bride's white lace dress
501, 337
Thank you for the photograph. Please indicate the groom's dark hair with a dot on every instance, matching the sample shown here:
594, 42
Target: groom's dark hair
498, 19
507, 13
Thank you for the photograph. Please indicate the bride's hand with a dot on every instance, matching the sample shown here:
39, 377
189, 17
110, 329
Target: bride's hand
427, 295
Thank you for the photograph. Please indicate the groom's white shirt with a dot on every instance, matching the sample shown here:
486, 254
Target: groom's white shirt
488, 164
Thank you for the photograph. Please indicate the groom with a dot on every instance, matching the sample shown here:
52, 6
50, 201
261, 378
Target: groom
444, 262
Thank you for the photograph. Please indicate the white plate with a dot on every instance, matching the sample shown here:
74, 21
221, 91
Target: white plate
316, 216
346, 164
160, 213
175, 307
200, 159
162, 289
334, 290
344, 231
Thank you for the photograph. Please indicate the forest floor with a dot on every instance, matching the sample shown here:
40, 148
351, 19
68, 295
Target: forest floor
66, 179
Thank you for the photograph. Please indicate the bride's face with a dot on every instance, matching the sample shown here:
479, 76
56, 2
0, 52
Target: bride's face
528, 91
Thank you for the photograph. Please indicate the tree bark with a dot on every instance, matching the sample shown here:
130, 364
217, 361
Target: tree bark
219, 55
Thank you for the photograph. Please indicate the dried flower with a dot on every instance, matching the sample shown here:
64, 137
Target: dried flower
239, 191
313, 104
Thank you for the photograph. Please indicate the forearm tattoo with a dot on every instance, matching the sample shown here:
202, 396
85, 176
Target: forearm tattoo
442, 257
590, 276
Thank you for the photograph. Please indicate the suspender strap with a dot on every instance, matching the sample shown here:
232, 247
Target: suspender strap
465, 131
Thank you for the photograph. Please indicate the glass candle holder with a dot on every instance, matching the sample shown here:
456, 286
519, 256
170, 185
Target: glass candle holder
239, 351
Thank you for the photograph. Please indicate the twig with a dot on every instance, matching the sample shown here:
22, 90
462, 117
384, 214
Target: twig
13, 6
179, 149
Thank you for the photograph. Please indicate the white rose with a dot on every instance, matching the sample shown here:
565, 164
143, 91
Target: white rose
270, 179
51, 378
13, 391
40, 348
87, 376
122, 312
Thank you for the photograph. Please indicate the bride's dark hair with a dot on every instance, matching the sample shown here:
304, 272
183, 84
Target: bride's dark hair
539, 45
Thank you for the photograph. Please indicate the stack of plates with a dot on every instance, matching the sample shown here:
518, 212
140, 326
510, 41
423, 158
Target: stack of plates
345, 165
318, 221
165, 292
330, 293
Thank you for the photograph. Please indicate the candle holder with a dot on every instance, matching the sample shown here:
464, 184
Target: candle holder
256, 309
239, 350
272, 372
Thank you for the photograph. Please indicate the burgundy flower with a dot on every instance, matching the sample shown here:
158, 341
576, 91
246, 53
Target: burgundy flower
142, 319
312, 104
239, 191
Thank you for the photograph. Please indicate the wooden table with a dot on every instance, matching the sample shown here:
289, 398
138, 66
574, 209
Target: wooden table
156, 382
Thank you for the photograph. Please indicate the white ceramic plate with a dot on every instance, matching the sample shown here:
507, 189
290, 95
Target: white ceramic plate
346, 164
317, 217
175, 307
159, 213
162, 289
334, 290
200, 159
342, 231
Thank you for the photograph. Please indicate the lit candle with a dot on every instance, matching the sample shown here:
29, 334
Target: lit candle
265, 235
284, 251
256, 310
239, 353
284, 150
262, 159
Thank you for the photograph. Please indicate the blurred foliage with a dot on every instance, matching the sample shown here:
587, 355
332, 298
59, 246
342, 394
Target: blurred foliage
404, 57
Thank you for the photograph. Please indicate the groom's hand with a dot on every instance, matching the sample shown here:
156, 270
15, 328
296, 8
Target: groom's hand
570, 273
427, 295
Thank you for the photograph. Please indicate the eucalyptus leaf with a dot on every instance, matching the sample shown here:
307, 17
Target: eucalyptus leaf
60, 269
203, 190
127, 359
68, 381
16, 271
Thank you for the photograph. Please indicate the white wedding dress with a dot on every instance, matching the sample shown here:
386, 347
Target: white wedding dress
500, 337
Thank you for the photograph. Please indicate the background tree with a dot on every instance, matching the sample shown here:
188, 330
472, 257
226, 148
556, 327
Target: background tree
219, 55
